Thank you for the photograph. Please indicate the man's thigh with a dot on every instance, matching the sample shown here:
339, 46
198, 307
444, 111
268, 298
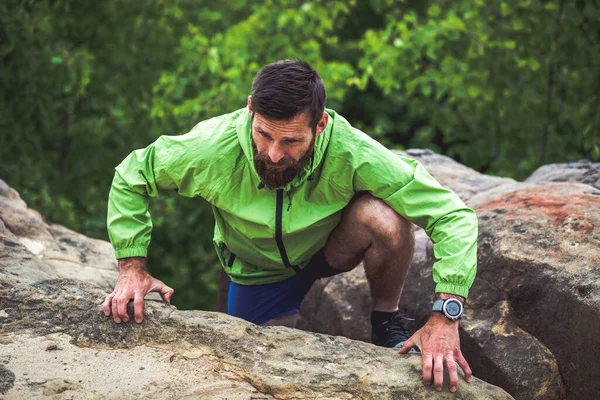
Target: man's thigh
349, 240
365, 220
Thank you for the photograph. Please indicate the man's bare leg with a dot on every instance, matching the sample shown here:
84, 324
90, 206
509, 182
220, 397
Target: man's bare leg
373, 231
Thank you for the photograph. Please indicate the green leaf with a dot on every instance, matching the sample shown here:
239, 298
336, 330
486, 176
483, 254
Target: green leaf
474, 92
455, 23
534, 64
434, 11
426, 90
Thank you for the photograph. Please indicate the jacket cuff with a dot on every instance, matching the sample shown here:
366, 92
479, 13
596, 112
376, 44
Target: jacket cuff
131, 252
452, 288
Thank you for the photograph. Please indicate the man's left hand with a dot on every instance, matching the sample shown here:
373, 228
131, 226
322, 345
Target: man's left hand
439, 343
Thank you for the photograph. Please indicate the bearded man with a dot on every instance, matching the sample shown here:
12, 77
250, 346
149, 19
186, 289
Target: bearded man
298, 194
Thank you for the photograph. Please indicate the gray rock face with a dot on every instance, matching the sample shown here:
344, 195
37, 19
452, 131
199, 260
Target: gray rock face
577, 172
532, 321
55, 341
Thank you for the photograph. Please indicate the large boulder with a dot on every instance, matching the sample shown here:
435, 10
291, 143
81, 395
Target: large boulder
539, 253
530, 325
55, 341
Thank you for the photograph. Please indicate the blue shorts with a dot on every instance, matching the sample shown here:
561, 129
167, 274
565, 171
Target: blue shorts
261, 303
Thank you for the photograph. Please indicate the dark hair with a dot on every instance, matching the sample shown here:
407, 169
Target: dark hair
285, 89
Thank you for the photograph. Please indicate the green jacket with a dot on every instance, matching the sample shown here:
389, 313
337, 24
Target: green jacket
264, 235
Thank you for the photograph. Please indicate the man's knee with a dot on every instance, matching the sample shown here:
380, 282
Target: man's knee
375, 215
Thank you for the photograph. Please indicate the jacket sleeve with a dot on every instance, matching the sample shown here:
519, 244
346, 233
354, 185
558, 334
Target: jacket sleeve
412, 192
153, 172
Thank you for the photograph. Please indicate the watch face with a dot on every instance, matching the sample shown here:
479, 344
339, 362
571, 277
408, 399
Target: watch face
453, 309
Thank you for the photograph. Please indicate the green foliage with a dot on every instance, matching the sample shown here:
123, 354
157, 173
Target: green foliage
215, 70
516, 81
503, 87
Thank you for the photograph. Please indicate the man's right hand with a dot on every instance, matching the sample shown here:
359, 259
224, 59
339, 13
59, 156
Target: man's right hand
133, 284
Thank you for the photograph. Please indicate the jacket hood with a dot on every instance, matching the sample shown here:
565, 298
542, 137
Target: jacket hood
321, 142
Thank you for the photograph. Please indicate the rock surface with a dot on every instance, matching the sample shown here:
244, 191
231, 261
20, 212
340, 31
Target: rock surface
539, 252
56, 343
532, 320
577, 172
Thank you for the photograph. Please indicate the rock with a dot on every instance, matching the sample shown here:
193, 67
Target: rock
172, 354
7, 379
9, 193
57, 386
52, 347
33, 249
279, 362
577, 172
539, 250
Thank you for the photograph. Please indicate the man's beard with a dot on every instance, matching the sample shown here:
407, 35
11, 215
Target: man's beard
285, 172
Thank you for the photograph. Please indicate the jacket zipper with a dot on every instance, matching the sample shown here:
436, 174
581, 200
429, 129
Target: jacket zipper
279, 231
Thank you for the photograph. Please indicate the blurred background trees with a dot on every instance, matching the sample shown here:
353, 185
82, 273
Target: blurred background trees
502, 87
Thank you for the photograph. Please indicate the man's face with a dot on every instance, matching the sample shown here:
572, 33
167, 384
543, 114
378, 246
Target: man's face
282, 148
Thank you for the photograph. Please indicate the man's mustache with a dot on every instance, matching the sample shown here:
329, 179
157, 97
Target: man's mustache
286, 161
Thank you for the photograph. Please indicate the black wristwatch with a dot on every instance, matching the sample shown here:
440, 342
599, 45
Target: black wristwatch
451, 308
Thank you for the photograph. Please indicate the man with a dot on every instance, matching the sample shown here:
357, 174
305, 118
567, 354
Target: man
298, 194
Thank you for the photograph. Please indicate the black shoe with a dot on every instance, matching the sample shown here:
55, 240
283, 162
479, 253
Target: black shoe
392, 332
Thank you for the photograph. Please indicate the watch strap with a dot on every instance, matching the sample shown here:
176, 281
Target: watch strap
438, 305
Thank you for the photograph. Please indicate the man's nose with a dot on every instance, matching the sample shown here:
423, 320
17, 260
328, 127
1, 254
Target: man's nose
275, 153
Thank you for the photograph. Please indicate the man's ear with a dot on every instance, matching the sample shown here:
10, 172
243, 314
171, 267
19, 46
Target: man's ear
322, 124
250, 104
